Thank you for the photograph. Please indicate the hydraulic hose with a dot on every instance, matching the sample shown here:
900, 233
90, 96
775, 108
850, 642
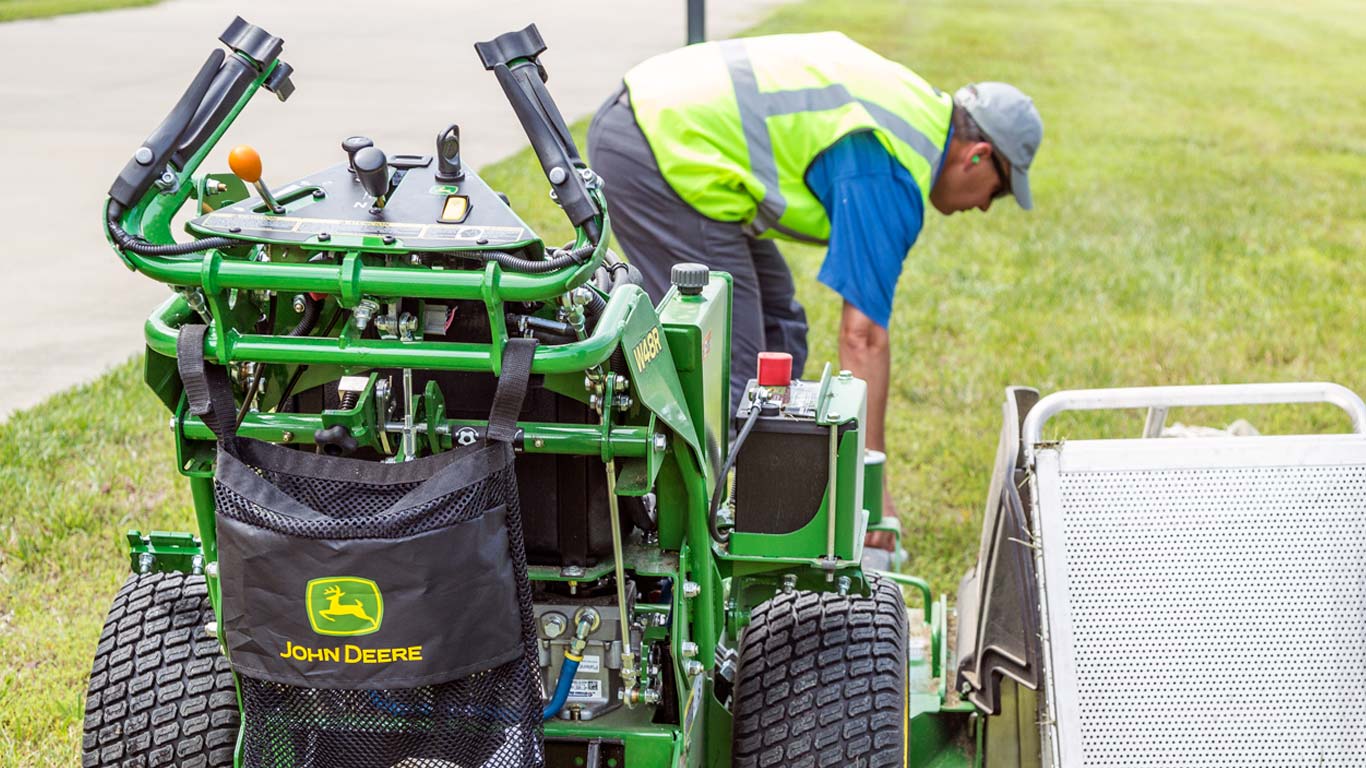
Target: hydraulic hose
716, 533
141, 247
507, 261
566, 681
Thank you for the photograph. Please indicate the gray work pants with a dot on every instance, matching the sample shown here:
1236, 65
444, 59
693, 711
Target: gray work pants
657, 229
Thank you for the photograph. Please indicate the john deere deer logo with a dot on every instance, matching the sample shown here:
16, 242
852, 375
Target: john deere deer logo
344, 605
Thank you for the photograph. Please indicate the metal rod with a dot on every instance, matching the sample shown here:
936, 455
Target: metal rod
1174, 397
162, 332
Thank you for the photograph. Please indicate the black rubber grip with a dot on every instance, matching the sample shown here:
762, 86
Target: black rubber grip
147, 163
512, 57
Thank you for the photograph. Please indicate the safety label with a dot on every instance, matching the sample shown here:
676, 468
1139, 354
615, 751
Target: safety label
585, 689
590, 664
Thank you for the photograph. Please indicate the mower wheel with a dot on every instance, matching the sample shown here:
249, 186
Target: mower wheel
160, 691
822, 681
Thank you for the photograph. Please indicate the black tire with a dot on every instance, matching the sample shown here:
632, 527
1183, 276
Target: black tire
160, 691
822, 681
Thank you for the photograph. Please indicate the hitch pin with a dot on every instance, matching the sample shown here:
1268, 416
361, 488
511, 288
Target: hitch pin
409, 432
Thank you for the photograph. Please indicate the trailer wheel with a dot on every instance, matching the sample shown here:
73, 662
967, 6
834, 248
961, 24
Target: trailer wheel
822, 681
160, 691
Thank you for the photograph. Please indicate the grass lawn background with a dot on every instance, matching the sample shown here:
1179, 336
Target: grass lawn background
1200, 218
12, 10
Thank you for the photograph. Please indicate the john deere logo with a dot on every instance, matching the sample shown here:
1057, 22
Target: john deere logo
344, 605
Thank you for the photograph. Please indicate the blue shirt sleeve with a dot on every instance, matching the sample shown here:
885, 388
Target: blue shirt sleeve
875, 213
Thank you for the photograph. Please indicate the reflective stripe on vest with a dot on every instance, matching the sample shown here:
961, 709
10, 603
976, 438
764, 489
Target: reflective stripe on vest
735, 125
757, 107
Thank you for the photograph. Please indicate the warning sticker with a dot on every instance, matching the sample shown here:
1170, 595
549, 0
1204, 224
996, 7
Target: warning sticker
590, 664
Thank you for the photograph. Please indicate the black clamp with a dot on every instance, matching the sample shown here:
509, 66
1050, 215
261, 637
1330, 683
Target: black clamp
253, 42
523, 44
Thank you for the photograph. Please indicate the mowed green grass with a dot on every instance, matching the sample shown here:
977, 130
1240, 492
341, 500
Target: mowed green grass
12, 10
1200, 218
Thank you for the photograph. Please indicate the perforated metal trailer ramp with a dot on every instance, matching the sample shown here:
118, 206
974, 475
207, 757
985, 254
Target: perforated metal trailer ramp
1203, 599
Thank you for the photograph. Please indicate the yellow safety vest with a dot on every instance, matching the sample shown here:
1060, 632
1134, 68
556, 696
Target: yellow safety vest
735, 125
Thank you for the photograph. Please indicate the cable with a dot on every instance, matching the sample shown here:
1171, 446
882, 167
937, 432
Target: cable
141, 247
721, 538
298, 372
558, 261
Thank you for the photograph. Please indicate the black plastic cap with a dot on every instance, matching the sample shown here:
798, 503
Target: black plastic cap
353, 144
372, 168
524, 43
257, 44
689, 278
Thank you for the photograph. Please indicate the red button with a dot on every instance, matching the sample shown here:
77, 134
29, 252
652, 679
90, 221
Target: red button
775, 369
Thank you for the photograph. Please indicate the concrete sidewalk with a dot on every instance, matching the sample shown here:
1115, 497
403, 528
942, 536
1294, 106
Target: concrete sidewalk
82, 92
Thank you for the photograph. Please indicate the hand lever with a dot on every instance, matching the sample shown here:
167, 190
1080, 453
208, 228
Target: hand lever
246, 164
372, 170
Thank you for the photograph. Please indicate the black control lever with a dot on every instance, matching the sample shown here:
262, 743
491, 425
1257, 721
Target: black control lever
372, 169
512, 57
149, 160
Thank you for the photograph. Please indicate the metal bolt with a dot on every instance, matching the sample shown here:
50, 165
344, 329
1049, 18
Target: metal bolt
286, 437
362, 313
689, 649
166, 181
415, 259
846, 374
571, 572
300, 303
197, 565
407, 326
789, 583
692, 668
691, 589
145, 561
538, 442
211, 570
558, 175
660, 441
832, 416
211, 629
965, 687
844, 585
553, 625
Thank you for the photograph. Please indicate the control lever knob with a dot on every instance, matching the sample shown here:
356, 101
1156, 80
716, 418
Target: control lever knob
245, 163
372, 169
352, 145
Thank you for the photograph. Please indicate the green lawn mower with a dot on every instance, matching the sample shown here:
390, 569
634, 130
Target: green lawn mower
462, 501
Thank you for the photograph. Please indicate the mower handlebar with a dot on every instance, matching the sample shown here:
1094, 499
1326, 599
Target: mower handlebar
513, 58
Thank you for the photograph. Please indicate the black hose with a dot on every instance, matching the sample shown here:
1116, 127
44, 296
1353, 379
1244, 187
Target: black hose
141, 247
299, 372
260, 372
309, 318
716, 533
507, 261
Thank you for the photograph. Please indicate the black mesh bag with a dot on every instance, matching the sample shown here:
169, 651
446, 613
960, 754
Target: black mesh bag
376, 614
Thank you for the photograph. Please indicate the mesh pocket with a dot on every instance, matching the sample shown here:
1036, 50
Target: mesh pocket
436, 668
465, 722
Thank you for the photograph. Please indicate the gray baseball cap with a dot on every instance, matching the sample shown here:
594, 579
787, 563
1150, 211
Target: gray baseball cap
1011, 124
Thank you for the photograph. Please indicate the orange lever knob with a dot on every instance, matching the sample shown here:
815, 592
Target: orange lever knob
245, 163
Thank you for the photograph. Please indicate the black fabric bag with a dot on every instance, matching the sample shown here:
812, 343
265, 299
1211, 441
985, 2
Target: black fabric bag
375, 613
